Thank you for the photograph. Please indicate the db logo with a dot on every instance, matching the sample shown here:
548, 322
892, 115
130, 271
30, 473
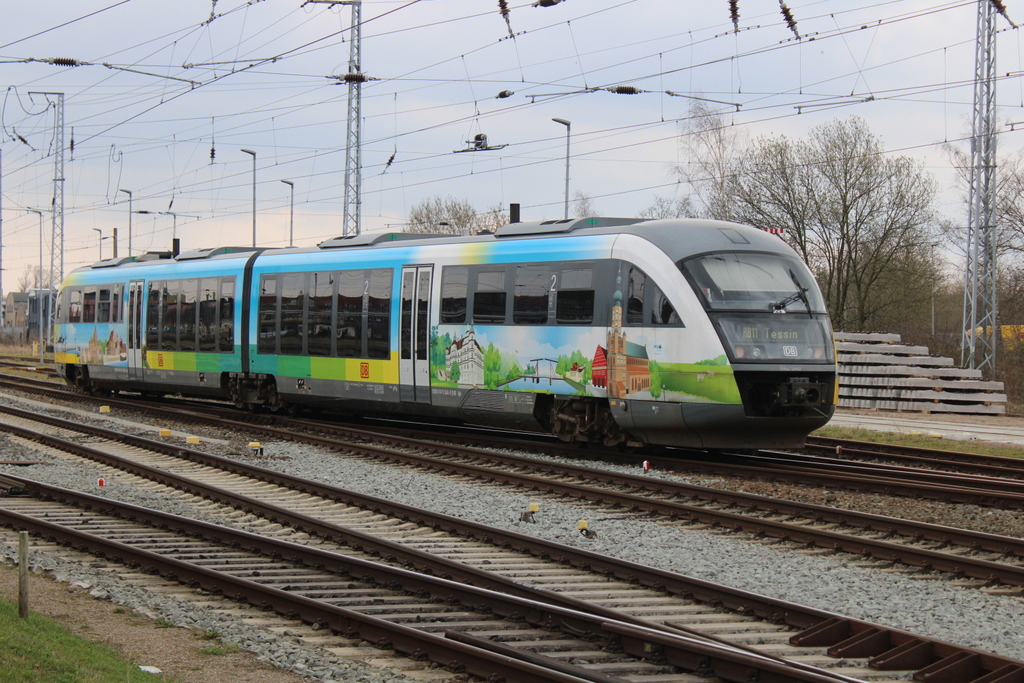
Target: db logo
789, 351
364, 370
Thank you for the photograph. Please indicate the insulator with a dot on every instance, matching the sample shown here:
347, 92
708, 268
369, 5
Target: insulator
625, 90
787, 14
213, 153
734, 13
503, 8
505, 93
546, 3
65, 61
355, 78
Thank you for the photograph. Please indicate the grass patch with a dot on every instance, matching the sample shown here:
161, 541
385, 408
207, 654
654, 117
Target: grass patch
164, 623
921, 441
38, 649
218, 650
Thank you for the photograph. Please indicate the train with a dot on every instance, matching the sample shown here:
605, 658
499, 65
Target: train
615, 331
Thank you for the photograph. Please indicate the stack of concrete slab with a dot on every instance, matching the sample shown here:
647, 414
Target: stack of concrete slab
879, 371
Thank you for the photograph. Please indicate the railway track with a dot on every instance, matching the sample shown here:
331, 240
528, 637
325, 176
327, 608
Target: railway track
771, 466
625, 574
987, 558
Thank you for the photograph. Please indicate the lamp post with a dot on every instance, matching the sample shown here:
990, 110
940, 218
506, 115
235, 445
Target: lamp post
127, 192
39, 284
253, 154
291, 214
568, 129
100, 231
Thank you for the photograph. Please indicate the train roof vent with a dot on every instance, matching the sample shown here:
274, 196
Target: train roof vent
111, 262
155, 256
371, 239
196, 254
561, 225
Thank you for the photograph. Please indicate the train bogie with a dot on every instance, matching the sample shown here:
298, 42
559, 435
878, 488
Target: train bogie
689, 333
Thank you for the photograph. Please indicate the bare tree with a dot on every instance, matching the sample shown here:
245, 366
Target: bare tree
491, 220
862, 220
33, 279
449, 216
713, 149
442, 216
583, 205
668, 207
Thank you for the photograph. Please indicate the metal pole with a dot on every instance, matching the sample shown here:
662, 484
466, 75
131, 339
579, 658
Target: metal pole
291, 214
129, 223
253, 154
3, 302
100, 231
23, 574
568, 129
39, 284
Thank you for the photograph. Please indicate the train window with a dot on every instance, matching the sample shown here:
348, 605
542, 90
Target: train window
662, 311
320, 308
187, 314
62, 305
153, 310
75, 306
89, 306
577, 276
293, 288
171, 304
351, 286
454, 285
422, 314
268, 315
408, 285
227, 315
489, 297
530, 301
116, 302
378, 333
208, 307
103, 306
635, 297
574, 300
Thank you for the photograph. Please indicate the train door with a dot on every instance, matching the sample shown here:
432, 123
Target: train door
414, 333
136, 330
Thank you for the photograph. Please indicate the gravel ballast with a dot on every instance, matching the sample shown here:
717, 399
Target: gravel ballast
835, 583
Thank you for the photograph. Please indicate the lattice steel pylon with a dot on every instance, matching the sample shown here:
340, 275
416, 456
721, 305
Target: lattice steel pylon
354, 133
980, 305
57, 232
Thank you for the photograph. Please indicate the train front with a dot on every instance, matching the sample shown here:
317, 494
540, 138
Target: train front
770, 316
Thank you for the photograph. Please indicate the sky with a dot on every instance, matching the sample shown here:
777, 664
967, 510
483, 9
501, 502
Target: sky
167, 94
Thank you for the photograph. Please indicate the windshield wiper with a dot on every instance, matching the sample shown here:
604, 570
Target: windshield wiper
799, 295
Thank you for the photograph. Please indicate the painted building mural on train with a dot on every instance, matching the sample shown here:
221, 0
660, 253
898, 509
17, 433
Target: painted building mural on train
582, 361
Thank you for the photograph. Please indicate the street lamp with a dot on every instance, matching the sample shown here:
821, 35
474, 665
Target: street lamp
100, 231
291, 214
253, 154
568, 129
127, 192
39, 283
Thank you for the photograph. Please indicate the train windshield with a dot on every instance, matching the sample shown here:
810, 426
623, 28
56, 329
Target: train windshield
766, 307
738, 281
